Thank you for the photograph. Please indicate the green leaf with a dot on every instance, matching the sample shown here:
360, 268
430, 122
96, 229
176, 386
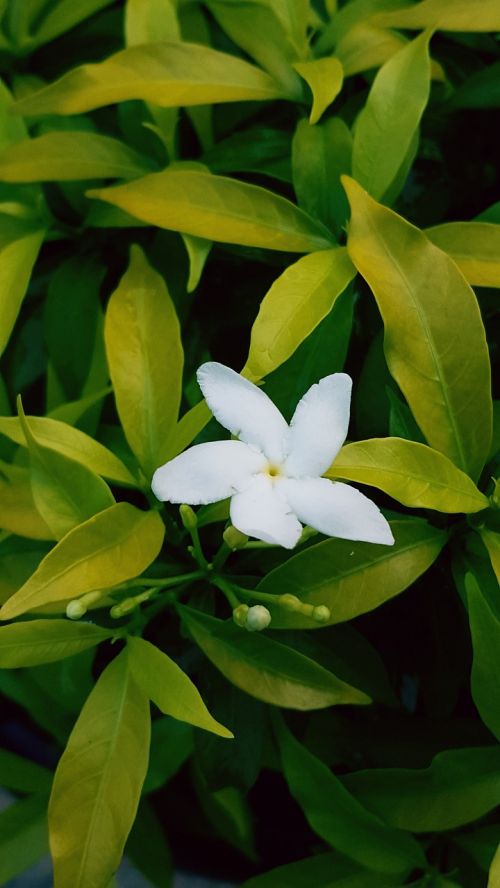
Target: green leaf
170, 689
188, 427
98, 781
338, 817
265, 668
492, 542
66, 156
141, 326
23, 836
20, 244
485, 676
439, 359
65, 492
353, 578
148, 849
474, 247
327, 870
387, 124
71, 442
480, 90
167, 74
149, 21
320, 155
171, 745
45, 641
64, 15
459, 786
294, 306
461, 15
12, 129
324, 77
22, 775
411, 473
364, 47
494, 873
106, 550
18, 513
219, 209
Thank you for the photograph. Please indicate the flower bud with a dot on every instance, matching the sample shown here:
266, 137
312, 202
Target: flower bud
123, 608
75, 609
258, 618
321, 613
234, 538
188, 517
240, 615
290, 602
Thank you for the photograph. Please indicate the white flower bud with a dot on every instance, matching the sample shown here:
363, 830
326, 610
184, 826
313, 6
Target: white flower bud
258, 618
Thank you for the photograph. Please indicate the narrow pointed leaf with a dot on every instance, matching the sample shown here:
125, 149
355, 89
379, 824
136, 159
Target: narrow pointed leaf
45, 641
170, 689
218, 208
18, 513
98, 781
386, 126
461, 15
19, 247
485, 677
411, 473
474, 247
324, 77
167, 74
491, 540
297, 301
439, 359
141, 326
108, 549
320, 155
353, 578
265, 668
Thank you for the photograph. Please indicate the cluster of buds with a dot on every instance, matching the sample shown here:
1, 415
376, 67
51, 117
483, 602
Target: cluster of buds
253, 619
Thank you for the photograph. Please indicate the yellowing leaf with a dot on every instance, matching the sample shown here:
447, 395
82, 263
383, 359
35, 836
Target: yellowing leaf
438, 358
325, 78
492, 542
364, 47
494, 872
18, 513
485, 676
69, 155
353, 578
142, 330
150, 20
98, 781
386, 126
458, 15
188, 427
45, 641
108, 549
474, 246
411, 473
267, 669
65, 492
170, 689
19, 247
218, 208
71, 442
297, 301
167, 74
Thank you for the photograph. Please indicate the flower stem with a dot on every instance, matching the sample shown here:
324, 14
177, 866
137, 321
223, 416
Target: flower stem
161, 582
227, 589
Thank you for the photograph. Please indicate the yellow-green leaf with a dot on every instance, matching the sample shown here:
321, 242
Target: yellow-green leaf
411, 473
150, 20
167, 74
320, 154
98, 781
297, 301
18, 513
457, 15
494, 873
218, 208
188, 427
438, 356
364, 47
19, 247
267, 669
170, 689
485, 675
66, 155
142, 330
353, 578
325, 78
71, 442
108, 549
45, 641
492, 542
387, 124
65, 492
474, 246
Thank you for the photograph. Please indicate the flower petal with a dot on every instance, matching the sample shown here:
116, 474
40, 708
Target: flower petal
319, 426
207, 473
336, 509
261, 511
244, 409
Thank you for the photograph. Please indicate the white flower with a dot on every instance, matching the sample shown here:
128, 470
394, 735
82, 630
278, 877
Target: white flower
273, 473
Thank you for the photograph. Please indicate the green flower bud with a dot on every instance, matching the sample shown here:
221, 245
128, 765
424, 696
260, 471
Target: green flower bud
290, 602
234, 538
240, 615
75, 609
125, 607
258, 618
188, 517
321, 613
